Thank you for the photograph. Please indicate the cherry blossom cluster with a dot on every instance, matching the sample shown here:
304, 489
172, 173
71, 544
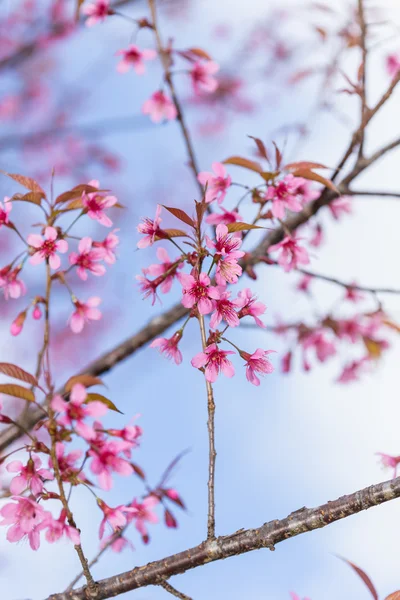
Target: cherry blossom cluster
90, 257
108, 453
160, 106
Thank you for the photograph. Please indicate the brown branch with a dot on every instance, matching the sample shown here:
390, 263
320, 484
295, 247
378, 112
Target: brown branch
169, 588
266, 536
351, 286
364, 106
164, 57
393, 195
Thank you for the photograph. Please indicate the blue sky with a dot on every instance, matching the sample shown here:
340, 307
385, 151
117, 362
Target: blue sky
294, 441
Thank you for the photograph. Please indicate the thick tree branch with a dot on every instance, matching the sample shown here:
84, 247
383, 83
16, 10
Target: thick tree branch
266, 536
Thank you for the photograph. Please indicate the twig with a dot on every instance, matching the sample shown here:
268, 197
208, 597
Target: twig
212, 454
168, 78
364, 106
351, 286
372, 193
266, 536
169, 588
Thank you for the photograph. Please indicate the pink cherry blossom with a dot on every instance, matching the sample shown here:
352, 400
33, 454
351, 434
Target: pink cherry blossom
87, 259
391, 462
30, 476
352, 329
201, 74
148, 287
225, 244
291, 255
159, 106
217, 183
393, 64
95, 203
113, 516
105, 461
304, 283
249, 307
340, 206
294, 596
158, 270
66, 462
318, 237
198, 291
224, 310
352, 371
257, 363
84, 312
228, 271
5, 211
214, 360
56, 528
226, 217
24, 516
352, 294
96, 12
134, 57
45, 249
307, 192
142, 513
75, 411
119, 543
285, 195
108, 246
169, 346
10, 284
149, 229
319, 341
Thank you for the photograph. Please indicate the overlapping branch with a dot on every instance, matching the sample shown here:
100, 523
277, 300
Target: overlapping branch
266, 536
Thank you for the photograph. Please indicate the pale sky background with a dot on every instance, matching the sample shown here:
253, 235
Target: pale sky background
296, 440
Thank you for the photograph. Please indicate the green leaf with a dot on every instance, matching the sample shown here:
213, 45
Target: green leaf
17, 391
13, 371
93, 397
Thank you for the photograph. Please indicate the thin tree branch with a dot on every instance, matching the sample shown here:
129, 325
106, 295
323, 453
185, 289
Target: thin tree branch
169, 588
393, 195
164, 57
351, 286
266, 536
364, 106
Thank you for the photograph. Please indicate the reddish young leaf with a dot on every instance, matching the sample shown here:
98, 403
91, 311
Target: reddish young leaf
18, 373
93, 397
17, 391
180, 214
85, 187
200, 53
278, 156
307, 174
138, 470
244, 162
303, 164
34, 197
86, 380
232, 227
173, 233
393, 596
363, 576
269, 175
67, 196
261, 147
201, 208
74, 204
27, 182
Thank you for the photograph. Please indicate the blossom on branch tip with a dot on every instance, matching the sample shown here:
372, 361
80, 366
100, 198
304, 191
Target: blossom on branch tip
224, 310
87, 259
149, 228
169, 347
24, 516
134, 57
95, 203
108, 246
257, 363
96, 12
56, 528
113, 516
249, 307
393, 64
214, 360
391, 462
226, 217
159, 270
202, 78
217, 183
84, 312
198, 291
142, 512
47, 247
159, 106
10, 284
105, 460
291, 255
75, 411
5, 211
30, 476
285, 194
340, 206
